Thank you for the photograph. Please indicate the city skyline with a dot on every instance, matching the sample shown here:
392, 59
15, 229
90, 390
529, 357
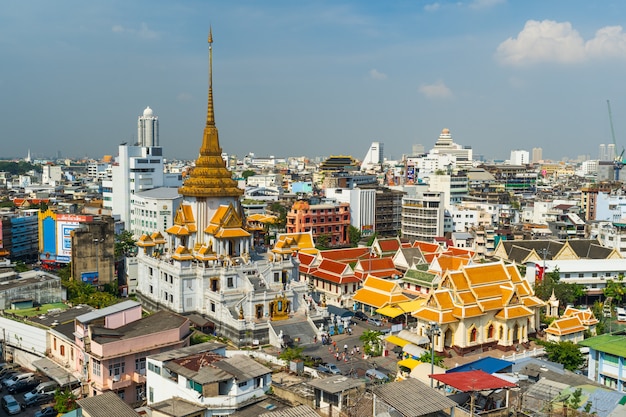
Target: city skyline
314, 78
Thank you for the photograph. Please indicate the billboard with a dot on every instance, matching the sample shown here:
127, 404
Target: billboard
66, 223
89, 277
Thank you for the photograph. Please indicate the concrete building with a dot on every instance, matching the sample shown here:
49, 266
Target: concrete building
445, 146
519, 157
373, 158
203, 375
607, 361
537, 155
153, 210
137, 168
51, 174
362, 206
328, 219
148, 129
93, 251
24, 235
115, 342
423, 216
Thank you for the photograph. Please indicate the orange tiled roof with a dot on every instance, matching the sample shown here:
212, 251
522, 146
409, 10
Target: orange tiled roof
229, 233
182, 254
145, 241
158, 238
429, 315
567, 325
178, 230
514, 312
346, 255
452, 263
377, 299
380, 284
485, 273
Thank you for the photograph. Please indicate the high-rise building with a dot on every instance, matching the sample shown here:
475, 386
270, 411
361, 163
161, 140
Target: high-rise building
537, 155
610, 152
445, 146
374, 157
423, 216
519, 157
148, 128
137, 168
602, 152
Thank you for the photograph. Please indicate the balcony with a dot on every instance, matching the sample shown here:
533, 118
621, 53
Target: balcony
139, 377
119, 381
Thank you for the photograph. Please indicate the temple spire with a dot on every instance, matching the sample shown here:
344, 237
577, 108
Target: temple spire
210, 114
210, 177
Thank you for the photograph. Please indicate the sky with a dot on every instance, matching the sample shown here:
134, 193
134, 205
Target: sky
313, 78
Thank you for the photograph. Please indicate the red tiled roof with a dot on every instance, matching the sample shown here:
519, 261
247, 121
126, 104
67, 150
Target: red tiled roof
472, 381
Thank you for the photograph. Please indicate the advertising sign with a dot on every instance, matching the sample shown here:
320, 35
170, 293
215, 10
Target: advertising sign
89, 277
65, 224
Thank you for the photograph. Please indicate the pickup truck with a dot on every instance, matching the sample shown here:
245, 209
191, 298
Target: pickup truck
329, 368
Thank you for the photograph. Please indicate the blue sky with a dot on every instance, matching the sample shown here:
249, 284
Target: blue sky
313, 78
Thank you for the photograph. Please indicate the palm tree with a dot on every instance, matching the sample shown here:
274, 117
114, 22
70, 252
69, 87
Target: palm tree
372, 343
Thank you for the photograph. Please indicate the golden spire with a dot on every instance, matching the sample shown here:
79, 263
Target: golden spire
210, 114
210, 177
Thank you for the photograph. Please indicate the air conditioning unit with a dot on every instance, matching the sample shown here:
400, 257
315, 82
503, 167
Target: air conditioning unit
115, 378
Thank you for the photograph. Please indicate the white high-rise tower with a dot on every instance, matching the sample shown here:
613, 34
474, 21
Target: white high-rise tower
374, 157
148, 129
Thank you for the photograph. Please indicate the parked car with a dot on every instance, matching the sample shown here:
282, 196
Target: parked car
18, 377
329, 368
10, 405
8, 375
46, 412
7, 367
376, 375
39, 398
360, 315
23, 386
374, 321
313, 360
41, 394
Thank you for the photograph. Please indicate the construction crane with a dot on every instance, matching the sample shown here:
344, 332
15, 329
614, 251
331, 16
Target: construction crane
618, 162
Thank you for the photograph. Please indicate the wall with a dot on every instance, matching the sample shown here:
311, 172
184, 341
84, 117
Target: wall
22, 338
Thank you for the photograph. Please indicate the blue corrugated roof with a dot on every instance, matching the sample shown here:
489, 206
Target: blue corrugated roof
488, 364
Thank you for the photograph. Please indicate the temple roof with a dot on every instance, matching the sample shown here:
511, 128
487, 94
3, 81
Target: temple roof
210, 177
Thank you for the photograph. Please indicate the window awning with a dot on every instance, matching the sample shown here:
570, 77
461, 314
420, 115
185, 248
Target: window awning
56, 372
409, 363
397, 340
414, 350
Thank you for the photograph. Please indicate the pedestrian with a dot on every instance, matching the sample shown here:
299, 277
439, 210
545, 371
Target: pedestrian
345, 348
334, 344
337, 356
358, 349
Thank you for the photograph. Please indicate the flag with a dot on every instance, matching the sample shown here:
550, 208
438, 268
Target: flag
539, 271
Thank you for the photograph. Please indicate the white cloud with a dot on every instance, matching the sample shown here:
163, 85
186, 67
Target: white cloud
550, 41
433, 7
377, 75
436, 90
485, 4
143, 32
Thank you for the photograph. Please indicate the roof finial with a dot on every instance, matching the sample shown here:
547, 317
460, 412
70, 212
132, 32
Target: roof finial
210, 116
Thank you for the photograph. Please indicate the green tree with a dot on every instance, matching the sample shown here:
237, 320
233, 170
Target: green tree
280, 211
20, 267
372, 238
616, 289
125, 244
65, 273
565, 292
575, 400
291, 353
354, 235
372, 344
64, 401
247, 173
322, 242
567, 354
425, 358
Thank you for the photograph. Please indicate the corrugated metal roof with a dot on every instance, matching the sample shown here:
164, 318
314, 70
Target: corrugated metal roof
424, 399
